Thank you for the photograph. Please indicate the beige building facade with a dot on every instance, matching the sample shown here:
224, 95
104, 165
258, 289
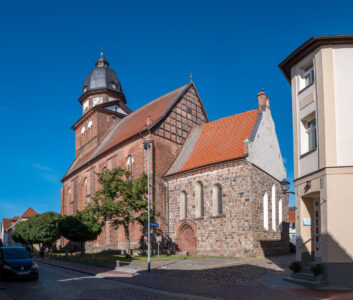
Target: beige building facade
321, 76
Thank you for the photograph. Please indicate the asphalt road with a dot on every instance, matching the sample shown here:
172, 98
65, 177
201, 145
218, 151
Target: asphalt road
58, 283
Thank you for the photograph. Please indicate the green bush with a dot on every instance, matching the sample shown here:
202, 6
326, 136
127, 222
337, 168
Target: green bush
317, 269
295, 266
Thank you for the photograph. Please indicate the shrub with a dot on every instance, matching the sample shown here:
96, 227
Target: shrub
316, 269
295, 266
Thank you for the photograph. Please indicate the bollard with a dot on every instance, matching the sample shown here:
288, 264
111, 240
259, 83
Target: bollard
132, 265
117, 265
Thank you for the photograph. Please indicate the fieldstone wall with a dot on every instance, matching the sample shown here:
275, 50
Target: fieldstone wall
239, 230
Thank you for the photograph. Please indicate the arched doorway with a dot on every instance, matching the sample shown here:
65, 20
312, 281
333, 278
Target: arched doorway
187, 239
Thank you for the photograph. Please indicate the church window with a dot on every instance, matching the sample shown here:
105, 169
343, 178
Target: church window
183, 206
199, 200
265, 209
130, 166
90, 124
217, 200
86, 106
97, 100
273, 200
280, 213
83, 130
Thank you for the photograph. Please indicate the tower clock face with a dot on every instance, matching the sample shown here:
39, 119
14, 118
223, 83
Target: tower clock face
97, 100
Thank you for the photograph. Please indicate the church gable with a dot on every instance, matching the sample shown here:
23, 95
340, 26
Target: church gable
187, 113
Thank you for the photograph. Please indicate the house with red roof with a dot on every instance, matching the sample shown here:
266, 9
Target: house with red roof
211, 181
7, 226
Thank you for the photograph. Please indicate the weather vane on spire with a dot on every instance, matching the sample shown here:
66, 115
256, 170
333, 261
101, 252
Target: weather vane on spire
190, 76
102, 53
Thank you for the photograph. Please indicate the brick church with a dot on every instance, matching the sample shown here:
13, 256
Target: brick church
216, 185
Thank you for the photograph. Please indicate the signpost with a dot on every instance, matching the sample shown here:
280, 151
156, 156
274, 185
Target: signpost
147, 146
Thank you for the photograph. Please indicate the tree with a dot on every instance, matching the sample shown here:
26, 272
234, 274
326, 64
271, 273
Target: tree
22, 233
45, 228
81, 227
121, 200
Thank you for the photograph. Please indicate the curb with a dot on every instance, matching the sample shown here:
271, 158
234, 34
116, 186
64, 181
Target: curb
68, 268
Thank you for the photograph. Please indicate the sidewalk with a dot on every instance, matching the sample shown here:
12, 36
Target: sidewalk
276, 281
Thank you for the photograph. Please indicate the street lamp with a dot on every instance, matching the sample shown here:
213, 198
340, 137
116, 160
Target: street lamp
147, 146
285, 187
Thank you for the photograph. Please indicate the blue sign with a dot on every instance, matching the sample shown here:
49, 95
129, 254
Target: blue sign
307, 221
154, 224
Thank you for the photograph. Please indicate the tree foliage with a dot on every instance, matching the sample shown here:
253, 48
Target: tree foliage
81, 227
121, 200
43, 228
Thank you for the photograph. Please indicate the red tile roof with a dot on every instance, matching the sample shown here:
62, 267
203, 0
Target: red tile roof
7, 224
132, 125
30, 212
216, 141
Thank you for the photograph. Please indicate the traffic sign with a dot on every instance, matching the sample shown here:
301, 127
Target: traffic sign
154, 224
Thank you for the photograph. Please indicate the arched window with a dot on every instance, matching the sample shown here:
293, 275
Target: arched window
280, 214
217, 199
130, 166
83, 129
265, 208
183, 206
199, 202
71, 202
85, 186
273, 197
89, 129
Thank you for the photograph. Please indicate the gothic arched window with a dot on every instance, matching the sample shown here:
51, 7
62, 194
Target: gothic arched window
265, 209
130, 166
280, 213
273, 198
199, 201
183, 206
217, 200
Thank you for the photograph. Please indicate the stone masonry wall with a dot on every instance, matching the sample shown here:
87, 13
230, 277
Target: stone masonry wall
238, 231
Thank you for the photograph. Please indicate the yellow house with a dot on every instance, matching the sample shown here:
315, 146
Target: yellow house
320, 73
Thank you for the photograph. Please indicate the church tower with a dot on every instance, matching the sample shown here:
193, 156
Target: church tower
103, 103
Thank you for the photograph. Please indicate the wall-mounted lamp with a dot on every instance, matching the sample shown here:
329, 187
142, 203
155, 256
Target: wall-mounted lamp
285, 187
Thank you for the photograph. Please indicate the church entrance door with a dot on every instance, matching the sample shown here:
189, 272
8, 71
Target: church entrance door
187, 240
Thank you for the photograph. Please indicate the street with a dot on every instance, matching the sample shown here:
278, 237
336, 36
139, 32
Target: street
58, 283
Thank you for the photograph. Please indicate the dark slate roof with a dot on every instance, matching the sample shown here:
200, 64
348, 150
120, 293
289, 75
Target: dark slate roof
102, 77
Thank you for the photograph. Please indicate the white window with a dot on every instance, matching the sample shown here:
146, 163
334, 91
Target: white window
86, 106
308, 129
265, 208
83, 130
217, 199
307, 77
85, 186
89, 124
280, 213
183, 206
97, 100
199, 202
130, 166
273, 195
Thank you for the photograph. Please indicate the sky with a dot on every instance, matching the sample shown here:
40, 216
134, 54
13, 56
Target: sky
232, 48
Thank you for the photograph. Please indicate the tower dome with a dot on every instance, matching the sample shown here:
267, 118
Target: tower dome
102, 78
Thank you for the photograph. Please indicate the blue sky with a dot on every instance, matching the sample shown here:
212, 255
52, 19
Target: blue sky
47, 48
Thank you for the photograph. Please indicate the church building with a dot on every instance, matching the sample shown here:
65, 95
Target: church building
216, 185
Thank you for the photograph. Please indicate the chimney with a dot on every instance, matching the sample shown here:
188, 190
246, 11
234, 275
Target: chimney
149, 121
264, 101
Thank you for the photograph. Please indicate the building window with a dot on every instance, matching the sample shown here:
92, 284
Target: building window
280, 213
83, 129
265, 208
130, 166
217, 200
199, 201
85, 106
97, 100
85, 185
273, 201
71, 201
183, 206
309, 140
90, 123
307, 77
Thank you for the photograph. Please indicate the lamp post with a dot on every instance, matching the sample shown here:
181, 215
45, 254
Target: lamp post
285, 187
147, 146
